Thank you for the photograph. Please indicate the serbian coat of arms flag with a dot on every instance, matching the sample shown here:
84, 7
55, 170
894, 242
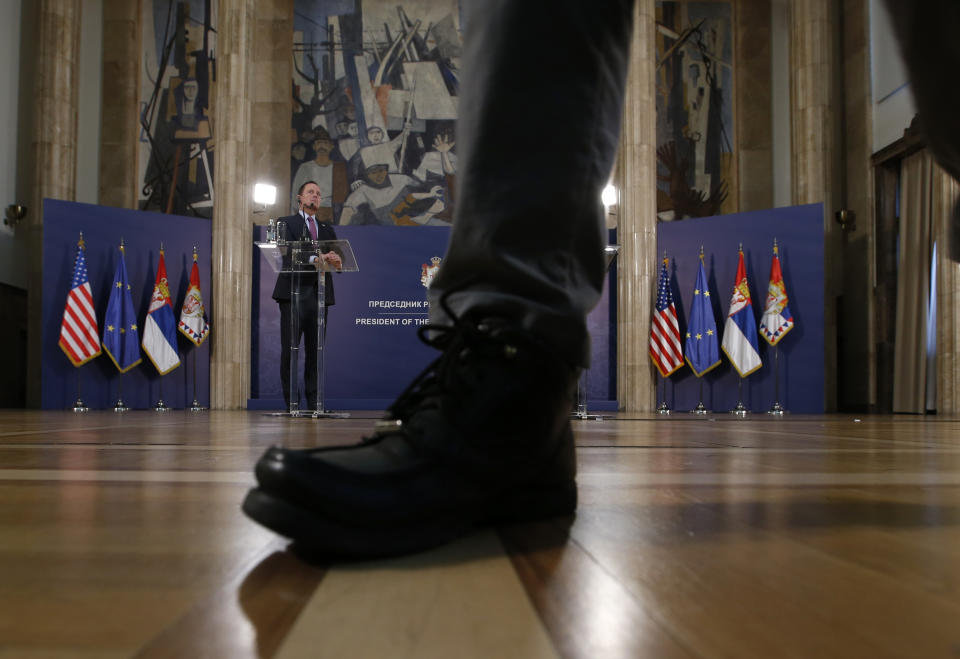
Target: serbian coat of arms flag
777, 319
160, 327
193, 320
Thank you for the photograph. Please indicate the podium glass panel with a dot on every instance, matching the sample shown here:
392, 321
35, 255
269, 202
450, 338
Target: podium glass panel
304, 259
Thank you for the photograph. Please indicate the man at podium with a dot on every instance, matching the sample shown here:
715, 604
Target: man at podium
303, 226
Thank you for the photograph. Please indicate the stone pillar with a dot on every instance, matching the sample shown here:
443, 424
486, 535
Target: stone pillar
231, 271
53, 148
119, 120
946, 194
815, 156
754, 125
637, 219
272, 103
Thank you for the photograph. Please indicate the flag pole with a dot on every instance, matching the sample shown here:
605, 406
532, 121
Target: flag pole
740, 410
777, 409
195, 406
700, 409
78, 405
663, 408
120, 406
161, 406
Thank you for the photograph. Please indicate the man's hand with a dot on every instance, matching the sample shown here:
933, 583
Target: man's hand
333, 259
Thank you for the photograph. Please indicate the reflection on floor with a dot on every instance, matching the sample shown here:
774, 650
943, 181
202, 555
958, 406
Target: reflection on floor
828, 536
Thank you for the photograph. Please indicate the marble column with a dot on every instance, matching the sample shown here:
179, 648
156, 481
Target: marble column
272, 104
232, 214
119, 120
815, 157
754, 125
946, 194
53, 149
637, 221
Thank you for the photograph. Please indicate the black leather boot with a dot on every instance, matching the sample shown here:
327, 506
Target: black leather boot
482, 436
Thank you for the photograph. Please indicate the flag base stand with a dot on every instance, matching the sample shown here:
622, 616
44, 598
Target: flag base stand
195, 406
327, 414
700, 409
776, 410
120, 406
161, 406
663, 409
80, 407
740, 410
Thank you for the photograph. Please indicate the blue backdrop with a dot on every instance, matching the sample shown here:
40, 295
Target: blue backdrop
142, 233
799, 233
372, 347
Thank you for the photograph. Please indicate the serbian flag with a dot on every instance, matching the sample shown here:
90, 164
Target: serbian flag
701, 349
664, 329
777, 319
740, 332
79, 336
193, 321
120, 334
160, 328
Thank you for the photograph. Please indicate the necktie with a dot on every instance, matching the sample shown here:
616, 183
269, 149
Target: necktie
311, 223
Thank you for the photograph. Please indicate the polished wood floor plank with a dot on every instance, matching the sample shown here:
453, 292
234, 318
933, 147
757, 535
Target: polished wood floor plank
822, 536
461, 600
248, 617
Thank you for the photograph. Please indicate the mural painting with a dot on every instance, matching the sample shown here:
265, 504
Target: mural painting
178, 74
696, 161
375, 89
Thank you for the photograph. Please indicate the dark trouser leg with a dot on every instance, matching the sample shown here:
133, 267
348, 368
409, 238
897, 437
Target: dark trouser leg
285, 318
308, 325
540, 111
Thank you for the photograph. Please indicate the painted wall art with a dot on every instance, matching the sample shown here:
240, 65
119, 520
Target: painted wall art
178, 74
375, 89
696, 156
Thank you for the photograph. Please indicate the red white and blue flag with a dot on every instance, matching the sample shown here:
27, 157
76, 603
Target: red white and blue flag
740, 331
193, 320
665, 350
777, 319
160, 328
79, 335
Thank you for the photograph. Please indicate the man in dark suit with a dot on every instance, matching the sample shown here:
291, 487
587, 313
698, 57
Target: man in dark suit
304, 226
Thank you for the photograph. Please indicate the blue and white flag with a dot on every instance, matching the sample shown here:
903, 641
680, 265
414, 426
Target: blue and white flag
121, 339
740, 331
160, 328
701, 349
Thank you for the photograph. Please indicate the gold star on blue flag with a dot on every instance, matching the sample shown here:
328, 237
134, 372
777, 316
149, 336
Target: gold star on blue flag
122, 347
701, 350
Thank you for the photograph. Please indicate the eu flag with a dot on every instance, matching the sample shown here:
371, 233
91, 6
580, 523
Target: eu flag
121, 338
701, 348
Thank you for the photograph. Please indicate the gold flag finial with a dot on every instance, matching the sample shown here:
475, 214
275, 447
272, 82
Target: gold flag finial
701, 252
775, 250
194, 252
740, 248
121, 245
666, 261
80, 243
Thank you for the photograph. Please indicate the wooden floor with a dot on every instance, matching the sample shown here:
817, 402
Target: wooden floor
807, 537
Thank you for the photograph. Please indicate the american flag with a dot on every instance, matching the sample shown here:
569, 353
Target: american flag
665, 330
79, 337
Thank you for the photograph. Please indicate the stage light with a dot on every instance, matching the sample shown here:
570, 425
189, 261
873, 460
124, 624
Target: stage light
265, 194
609, 195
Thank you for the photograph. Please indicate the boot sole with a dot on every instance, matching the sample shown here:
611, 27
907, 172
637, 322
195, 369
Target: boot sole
332, 539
